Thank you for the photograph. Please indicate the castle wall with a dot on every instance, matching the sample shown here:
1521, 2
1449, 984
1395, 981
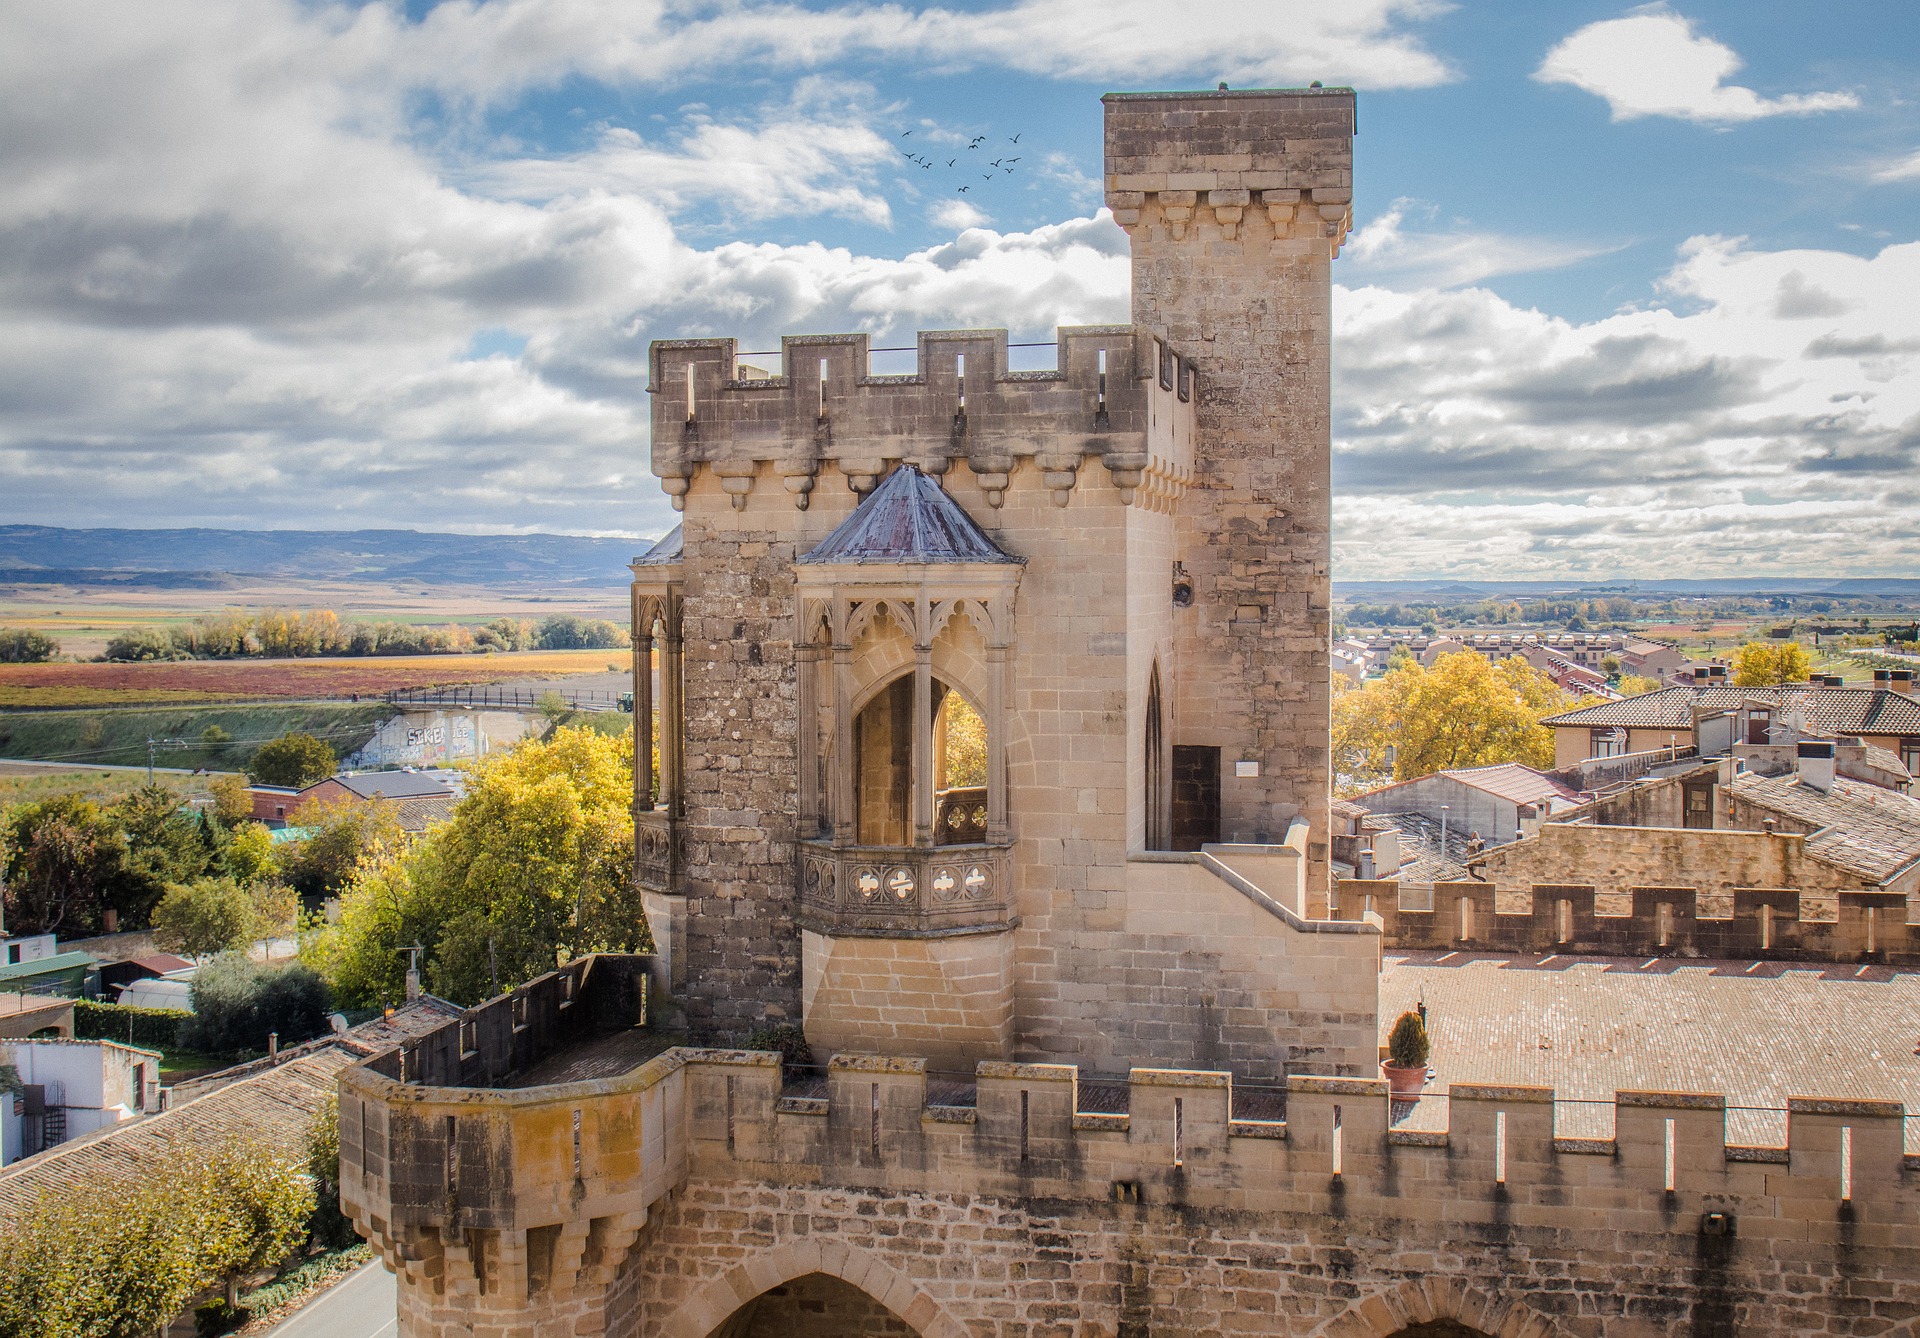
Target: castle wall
664, 1201
1236, 203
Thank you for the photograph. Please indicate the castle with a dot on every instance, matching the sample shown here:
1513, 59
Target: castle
993, 753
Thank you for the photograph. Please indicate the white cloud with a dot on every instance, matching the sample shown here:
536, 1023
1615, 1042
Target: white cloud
1906, 168
1486, 437
1386, 250
488, 50
956, 214
1651, 63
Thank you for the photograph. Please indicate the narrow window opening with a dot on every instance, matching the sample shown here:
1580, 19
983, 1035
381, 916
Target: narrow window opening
1873, 927
1100, 401
1670, 1157
1564, 933
874, 1129
1338, 1142
1466, 917
1023, 1125
1664, 920
453, 1163
1766, 928
823, 390
729, 1114
960, 378
576, 1141
1846, 1163
692, 407
1500, 1147
1179, 1132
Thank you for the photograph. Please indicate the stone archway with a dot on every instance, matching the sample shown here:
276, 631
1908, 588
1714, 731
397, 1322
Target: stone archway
708, 1311
1438, 1308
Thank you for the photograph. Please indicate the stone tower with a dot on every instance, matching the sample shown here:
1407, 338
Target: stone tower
1110, 576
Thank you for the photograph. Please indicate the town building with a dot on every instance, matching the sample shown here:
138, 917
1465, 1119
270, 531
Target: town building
1718, 719
418, 798
63, 1088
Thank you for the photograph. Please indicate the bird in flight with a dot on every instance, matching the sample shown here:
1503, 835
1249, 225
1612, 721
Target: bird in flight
965, 189
952, 161
1014, 140
994, 163
978, 140
1013, 160
987, 177
905, 133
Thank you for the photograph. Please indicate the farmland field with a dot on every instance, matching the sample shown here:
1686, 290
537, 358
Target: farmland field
105, 787
119, 737
56, 685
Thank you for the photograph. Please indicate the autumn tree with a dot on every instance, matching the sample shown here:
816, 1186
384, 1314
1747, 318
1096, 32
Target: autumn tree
1461, 712
534, 865
1635, 685
294, 760
232, 800
1765, 664
62, 857
203, 917
345, 833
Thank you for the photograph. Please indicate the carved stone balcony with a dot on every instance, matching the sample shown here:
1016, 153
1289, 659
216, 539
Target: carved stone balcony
896, 892
656, 850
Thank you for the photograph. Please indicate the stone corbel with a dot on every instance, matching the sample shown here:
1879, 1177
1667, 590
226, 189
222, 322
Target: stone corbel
1126, 469
1335, 207
863, 473
675, 478
736, 480
1058, 470
1228, 206
799, 481
1126, 206
1177, 207
1281, 207
992, 470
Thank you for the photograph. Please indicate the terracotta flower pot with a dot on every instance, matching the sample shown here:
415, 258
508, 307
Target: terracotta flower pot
1404, 1083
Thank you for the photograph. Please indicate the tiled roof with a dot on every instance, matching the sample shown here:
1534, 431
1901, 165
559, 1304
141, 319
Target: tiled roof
1864, 828
666, 550
1828, 710
276, 1107
1887, 760
416, 815
908, 518
1514, 781
394, 784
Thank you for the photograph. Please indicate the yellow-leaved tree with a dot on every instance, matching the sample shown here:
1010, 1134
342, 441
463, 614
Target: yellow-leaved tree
534, 864
1766, 664
1462, 712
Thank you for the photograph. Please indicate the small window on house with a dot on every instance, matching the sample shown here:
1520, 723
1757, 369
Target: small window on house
1759, 724
1608, 743
139, 1086
1910, 754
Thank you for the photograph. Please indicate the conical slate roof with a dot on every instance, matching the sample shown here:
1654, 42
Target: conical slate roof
908, 518
665, 550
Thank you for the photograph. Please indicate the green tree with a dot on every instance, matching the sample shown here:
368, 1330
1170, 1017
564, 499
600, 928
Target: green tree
237, 1003
145, 643
329, 1226
232, 800
63, 857
167, 843
249, 853
204, 917
1762, 664
533, 865
295, 760
256, 1209
346, 833
1462, 712
26, 646
1634, 685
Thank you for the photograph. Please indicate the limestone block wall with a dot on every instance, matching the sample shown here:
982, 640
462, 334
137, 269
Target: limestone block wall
948, 998
1236, 203
665, 1201
1618, 891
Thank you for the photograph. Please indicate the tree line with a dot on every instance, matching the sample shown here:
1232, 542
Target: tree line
299, 634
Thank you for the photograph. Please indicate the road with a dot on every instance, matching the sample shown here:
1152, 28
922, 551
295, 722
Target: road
363, 1306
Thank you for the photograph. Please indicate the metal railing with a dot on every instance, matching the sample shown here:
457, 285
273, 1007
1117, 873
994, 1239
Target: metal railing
493, 696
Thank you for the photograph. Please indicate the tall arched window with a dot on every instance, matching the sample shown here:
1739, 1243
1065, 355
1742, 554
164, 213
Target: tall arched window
1154, 779
883, 734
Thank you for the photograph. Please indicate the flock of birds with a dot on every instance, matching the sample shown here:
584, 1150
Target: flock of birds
1002, 164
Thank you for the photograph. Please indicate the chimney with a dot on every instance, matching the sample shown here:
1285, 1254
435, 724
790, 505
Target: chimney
1366, 864
1814, 758
1902, 679
1882, 677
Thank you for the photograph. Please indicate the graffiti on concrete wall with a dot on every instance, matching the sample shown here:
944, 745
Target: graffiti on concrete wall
440, 735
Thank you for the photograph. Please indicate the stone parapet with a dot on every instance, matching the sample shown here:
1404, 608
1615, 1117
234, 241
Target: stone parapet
521, 1208
1119, 395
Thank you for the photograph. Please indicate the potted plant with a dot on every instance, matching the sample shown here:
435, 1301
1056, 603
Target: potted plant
1406, 1064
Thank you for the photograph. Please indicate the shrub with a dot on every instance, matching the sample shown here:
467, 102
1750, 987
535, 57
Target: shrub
1408, 1045
144, 643
203, 917
237, 1003
294, 760
153, 1028
20, 646
791, 1044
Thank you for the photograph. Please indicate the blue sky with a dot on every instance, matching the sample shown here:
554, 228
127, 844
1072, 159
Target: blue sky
1626, 282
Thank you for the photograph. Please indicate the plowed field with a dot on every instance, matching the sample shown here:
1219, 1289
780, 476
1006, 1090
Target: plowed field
181, 681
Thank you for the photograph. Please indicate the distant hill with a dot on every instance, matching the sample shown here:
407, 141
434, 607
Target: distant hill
209, 559
1456, 591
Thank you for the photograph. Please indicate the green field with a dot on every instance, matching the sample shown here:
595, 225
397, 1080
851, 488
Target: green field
119, 737
103, 787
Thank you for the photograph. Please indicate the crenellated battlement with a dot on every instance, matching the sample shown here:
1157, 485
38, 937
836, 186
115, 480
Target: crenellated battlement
1119, 394
522, 1203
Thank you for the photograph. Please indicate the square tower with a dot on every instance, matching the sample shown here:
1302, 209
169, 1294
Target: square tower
993, 704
